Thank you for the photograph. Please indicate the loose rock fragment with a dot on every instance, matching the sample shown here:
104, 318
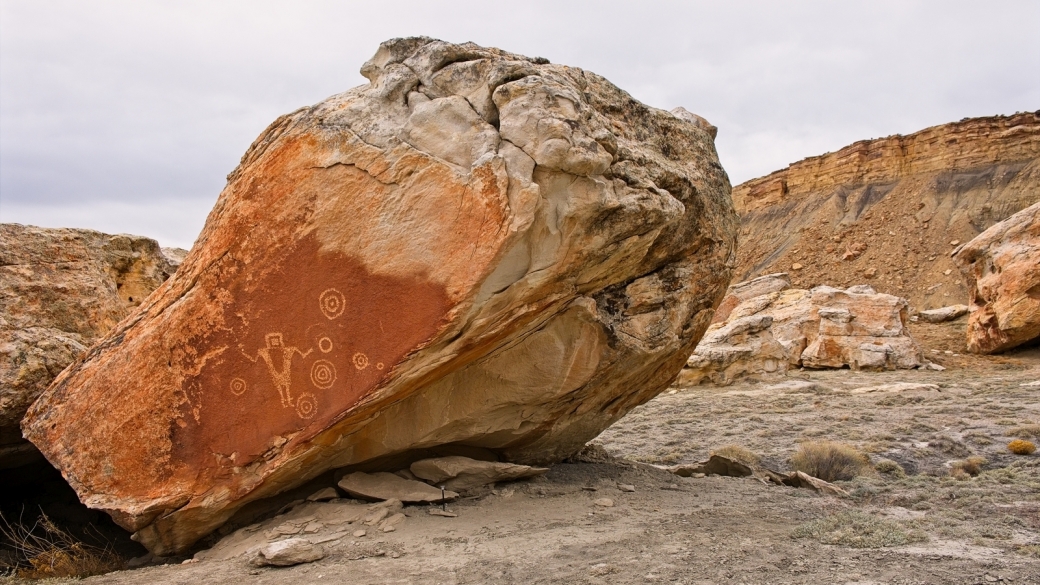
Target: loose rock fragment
943, 314
323, 495
604, 502
388, 486
285, 553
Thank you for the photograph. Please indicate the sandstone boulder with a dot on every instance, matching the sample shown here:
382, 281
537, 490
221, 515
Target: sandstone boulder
1002, 267
475, 248
60, 290
742, 291
821, 328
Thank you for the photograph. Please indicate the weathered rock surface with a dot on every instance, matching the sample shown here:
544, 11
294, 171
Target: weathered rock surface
891, 209
943, 314
60, 290
821, 328
288, 552
475, 248
742, 291
383, 485
462, 473
1002, 268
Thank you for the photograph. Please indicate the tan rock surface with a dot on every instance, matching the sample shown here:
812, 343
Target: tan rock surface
888, 209
462, 473
474, 248
60, 290
822, 328
383, 485
1002, 268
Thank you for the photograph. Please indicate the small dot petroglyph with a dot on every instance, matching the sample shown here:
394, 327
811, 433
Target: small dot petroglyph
323, 374
332, 303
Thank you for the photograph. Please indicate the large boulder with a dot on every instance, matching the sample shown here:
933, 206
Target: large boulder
1002, 267
476, 249
60, 290
824, 327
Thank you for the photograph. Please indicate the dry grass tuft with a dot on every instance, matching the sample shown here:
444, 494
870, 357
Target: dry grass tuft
738, 453
44, 551
889, 467
1021, 447
1025, 432
972, 466
830, 461
858, 530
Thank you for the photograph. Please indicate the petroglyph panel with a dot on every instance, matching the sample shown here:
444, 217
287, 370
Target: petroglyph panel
303, 348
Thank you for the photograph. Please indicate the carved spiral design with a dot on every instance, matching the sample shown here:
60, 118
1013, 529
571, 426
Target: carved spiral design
332, 303
323, 374
360, 361
306, 405
238, 386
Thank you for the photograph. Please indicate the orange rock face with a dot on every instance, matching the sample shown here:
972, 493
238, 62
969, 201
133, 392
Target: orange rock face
60, 291
1002, 267
476, 249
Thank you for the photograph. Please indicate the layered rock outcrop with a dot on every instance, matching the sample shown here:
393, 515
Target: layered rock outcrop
60, 290
787, 328
475, 249
889, 211
1002, 268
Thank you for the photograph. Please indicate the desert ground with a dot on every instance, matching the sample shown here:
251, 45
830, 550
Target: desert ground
915, 524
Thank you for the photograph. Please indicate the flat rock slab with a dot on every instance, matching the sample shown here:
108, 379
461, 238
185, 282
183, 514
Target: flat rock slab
462, 473
388, 486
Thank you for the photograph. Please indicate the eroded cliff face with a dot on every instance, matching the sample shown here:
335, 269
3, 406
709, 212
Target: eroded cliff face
889, 212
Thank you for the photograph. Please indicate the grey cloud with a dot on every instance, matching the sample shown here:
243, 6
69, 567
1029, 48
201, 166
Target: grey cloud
113, 114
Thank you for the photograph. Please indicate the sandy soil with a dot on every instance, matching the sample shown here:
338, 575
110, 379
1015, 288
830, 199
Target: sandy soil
983, 529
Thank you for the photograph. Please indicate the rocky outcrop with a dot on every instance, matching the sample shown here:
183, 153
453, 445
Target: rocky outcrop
889, 211
821, 328
60, 290
476, 248
1002, 268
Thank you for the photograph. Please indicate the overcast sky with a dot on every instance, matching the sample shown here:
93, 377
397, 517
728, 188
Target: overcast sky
127, 116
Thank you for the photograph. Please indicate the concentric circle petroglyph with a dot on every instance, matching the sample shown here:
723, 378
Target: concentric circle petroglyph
325, 345
238, 386
306, 405
360, 361
332, 303
323, 374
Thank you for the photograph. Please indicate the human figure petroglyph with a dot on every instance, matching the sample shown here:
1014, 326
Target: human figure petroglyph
281, 376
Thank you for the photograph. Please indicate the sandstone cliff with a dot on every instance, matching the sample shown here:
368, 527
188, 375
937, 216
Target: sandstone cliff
890, 211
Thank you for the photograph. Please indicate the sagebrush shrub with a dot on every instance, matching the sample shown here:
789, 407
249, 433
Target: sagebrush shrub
889, 467
830, 461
